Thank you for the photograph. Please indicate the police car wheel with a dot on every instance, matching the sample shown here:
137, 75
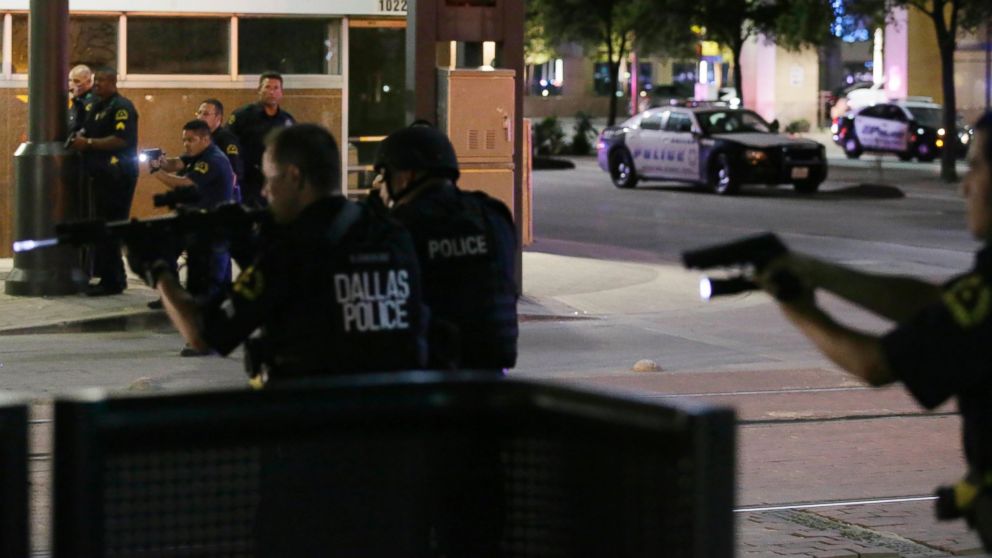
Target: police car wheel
852, 148
622, 169
723, 180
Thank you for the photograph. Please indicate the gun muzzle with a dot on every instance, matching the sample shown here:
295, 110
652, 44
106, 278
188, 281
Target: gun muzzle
28, 245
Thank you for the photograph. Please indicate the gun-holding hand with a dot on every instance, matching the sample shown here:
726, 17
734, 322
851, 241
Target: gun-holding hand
750, 256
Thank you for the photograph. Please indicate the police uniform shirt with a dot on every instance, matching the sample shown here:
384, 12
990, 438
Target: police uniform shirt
79, 109
251, 124
946, 351
226, 141
211, 172
318, 312
113, 117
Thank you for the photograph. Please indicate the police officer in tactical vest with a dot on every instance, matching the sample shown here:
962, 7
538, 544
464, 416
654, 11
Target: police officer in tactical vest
941, 345
336, 288
466, 243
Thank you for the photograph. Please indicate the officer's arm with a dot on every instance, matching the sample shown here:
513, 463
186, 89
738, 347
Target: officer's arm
856, 352
182, 311
896, 298
109, 143
173, 180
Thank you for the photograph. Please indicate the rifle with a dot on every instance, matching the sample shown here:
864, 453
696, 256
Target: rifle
750, 255
223, 222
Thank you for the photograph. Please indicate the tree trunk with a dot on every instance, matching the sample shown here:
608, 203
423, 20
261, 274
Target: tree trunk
736, 48
614, 83
946, 42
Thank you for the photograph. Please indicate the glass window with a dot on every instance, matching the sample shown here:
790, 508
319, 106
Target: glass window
653, 121
731, 121
93, 41
19, 38
679, 122
602, 80
177, 45
289, 46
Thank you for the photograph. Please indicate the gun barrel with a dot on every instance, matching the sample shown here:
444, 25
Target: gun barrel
755, 249
28, 245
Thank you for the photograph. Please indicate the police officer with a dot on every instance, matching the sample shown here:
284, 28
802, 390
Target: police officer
207, 169
81, 97
251, 124
941, 346
336, 289
466, 243
108, 141
211, 111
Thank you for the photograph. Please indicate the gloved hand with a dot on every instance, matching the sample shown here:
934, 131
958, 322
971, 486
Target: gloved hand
147, 258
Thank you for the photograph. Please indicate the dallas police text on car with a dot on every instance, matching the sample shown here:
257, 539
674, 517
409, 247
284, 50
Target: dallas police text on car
718, 146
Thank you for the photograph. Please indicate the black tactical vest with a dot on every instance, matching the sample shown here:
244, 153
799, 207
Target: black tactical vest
359, 306
466, 242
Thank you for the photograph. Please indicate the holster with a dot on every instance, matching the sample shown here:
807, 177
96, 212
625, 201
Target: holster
258, 358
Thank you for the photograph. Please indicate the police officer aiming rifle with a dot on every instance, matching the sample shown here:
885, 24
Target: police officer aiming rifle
335, 289
941, 346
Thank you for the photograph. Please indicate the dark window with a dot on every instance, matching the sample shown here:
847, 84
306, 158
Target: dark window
876, 111
291, 46
602, 80
177, 45
653, 122
93, 41
679, 122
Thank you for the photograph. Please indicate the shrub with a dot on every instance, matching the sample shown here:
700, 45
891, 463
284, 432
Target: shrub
549, 139
585, 134
800, 126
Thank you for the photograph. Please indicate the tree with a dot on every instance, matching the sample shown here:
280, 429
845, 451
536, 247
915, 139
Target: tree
790, 23
617, 25
949, 18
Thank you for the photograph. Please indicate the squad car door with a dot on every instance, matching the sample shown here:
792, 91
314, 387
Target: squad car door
679, 155
879, 128
645, 142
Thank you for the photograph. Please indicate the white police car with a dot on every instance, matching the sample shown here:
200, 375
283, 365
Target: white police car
910, 128
718, 146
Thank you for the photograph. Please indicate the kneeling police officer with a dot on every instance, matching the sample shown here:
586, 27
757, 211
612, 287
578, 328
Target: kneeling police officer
335, 289
941, 346
466, 243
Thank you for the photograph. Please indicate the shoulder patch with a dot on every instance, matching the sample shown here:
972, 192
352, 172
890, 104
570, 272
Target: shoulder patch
120, 126
250, 284
231, 119
201, 167
969, 300
114, 160
121, 115
232, 149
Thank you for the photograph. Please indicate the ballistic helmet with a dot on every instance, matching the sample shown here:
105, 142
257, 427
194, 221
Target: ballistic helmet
418, 148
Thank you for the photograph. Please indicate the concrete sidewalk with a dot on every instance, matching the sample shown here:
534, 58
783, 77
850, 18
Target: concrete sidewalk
777, 459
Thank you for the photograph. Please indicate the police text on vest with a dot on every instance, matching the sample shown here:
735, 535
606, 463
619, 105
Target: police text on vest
456, 247
373, 300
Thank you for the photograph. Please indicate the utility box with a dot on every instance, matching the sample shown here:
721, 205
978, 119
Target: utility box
476, 111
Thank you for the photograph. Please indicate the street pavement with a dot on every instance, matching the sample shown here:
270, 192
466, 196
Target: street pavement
827, 467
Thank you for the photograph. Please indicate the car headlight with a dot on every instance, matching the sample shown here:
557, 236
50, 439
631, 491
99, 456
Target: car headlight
754, 156
940, 132
939, 143
965, 138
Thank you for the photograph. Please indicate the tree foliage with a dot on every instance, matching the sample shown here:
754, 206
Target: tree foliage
617, 26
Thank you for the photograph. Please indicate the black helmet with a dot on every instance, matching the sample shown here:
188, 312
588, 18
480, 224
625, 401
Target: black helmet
418, 147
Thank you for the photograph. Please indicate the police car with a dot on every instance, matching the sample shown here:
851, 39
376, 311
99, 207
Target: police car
713, 145
911, 128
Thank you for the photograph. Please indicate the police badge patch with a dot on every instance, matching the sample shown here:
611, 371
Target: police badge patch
969, 300
201, 167
121, 115
232, 149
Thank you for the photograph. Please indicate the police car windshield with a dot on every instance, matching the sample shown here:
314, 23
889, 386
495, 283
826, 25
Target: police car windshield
731, 122
931, 117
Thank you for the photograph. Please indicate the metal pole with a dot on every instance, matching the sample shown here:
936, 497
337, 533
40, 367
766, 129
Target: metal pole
46, 176
988, 64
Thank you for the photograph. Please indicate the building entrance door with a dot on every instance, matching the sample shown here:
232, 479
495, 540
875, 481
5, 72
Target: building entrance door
376, 85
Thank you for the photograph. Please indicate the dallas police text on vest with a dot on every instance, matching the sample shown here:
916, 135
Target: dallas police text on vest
373, 300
